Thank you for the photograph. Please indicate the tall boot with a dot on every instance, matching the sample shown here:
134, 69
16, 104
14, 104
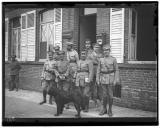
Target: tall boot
86, 104
44, 97
104, 110
50, 99
110, 107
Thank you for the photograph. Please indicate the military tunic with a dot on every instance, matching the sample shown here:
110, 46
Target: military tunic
48, 74
106, 71
62, 72
72, 58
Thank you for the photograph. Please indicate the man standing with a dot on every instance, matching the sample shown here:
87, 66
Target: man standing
14, 73
89, 50
72, 58
106, 78
62, 72
95, 57
84, 77
48, 77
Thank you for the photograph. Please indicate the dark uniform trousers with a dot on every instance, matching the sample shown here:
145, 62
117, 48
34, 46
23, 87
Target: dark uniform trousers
14, 81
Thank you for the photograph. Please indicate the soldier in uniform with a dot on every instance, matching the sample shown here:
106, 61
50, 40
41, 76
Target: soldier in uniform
106, 78
62, 72
89, 49
95, 57
14, 73
56, 52
72, 58
84, 77
48, 77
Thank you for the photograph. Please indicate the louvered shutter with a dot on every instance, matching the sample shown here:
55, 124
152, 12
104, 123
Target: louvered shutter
58, 27
31, 36
28, 36
6, 39
23, 50
117, 33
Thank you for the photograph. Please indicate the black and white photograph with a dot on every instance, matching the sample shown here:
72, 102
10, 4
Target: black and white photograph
79, 63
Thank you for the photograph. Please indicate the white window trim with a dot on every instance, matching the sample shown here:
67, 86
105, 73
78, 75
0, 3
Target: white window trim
41, 23
6, 19
130, 27
142, 62
34, 27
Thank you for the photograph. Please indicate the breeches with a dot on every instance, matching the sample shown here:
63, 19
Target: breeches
107, 90
47, 84
14, 81
85, 90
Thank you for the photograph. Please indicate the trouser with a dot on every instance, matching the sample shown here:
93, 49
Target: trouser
47, 85
85, 90
14, 81
107, 95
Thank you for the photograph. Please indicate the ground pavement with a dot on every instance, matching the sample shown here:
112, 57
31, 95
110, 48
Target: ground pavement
25, 104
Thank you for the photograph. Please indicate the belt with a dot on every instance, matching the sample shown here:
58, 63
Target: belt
95, 64
108, 72
82, 70
72, 61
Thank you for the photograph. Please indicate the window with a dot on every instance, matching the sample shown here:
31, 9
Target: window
6, 39
142, 36
28, 33
117, 33
50, 31
15, 37
132, 35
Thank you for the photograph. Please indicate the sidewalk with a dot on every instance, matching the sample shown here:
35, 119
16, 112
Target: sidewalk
36, 97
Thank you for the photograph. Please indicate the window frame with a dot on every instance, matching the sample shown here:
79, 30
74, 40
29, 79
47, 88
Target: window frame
135, 61
27, 29
48, 22
6, 20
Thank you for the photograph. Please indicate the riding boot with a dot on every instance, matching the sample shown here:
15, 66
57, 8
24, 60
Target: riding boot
44, 98
110, 107
104, 110
50, 99
86, 104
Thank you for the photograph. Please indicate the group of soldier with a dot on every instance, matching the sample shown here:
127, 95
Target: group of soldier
94, 73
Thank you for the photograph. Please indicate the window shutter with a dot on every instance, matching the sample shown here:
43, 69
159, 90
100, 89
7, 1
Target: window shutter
28, 36
6, 39
117, 33
58, 27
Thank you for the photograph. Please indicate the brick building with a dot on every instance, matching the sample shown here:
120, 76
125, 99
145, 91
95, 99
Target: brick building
30, 33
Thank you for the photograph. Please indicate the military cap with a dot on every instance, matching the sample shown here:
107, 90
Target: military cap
57, 47
97, 45
83, 52
69, 43
61, 52
106, 47
87, 41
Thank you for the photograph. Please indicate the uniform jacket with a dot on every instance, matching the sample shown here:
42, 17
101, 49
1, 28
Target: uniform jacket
84, 72
48, 70
62, 68
106, 71
14, 67
72, 56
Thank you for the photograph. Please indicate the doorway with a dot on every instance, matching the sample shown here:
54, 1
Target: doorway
87, 29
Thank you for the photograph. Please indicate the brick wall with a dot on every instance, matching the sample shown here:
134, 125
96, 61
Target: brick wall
139, 87
139, 84
29, 76
103, 22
